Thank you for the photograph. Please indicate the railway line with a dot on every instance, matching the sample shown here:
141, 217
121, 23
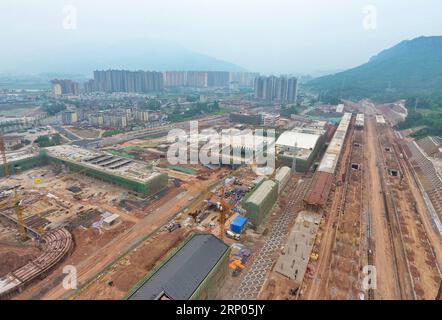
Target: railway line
372, 219
416, 263
400, 265
316, 288
343, 279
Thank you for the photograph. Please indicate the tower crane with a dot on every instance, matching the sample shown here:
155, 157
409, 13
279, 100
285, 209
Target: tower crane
17, 202
5, 161
224, 211
18, 212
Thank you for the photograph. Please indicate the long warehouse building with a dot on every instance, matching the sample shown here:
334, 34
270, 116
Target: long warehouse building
259, 203
123, 172
194, 272
323, 178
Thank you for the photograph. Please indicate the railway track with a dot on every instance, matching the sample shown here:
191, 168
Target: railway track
421, 261
403, 279
318, 286
343, 279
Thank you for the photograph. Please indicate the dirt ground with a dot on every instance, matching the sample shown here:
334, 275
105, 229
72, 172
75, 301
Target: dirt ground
277, 287
118, 281
419, 250
13, 256
87, 242
386, 288
85, 133
93, 252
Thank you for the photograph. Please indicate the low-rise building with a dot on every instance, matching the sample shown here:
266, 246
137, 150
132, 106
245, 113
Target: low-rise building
260, 202
194, 272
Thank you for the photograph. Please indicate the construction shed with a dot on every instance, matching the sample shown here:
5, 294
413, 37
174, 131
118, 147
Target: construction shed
238, 224
261, 201
282, 176
193, 272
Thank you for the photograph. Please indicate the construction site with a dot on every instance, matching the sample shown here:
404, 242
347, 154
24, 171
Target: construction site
351, 198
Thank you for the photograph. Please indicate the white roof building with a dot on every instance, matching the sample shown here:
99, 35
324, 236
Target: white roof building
300, 140
380, 119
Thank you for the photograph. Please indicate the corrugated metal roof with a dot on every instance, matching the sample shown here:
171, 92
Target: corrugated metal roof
282, 173
319, 189
184, 272
331, 156
263, 190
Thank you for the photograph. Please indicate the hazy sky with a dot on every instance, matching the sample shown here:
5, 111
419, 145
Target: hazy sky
279, 36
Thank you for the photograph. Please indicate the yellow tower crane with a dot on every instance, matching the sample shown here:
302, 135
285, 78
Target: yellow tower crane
5, 161
18, 212
20, 221
17, 202
225, 209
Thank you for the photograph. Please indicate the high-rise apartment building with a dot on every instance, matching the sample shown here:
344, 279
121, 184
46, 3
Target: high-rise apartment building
243, 79
279, 89
65, 86
197, 79
218, 79
69, 117
126, 81
175, 78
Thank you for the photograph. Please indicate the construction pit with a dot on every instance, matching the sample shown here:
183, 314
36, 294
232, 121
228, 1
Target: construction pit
53, 199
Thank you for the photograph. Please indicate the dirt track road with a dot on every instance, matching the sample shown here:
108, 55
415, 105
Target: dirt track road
386, 283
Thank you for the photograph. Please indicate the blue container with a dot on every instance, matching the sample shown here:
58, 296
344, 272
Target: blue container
238, 224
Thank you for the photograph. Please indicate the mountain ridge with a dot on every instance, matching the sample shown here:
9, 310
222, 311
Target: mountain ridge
410, 67
130, 55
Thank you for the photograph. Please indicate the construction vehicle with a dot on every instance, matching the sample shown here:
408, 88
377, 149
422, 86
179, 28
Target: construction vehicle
236, 264
173, 226
233, 235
